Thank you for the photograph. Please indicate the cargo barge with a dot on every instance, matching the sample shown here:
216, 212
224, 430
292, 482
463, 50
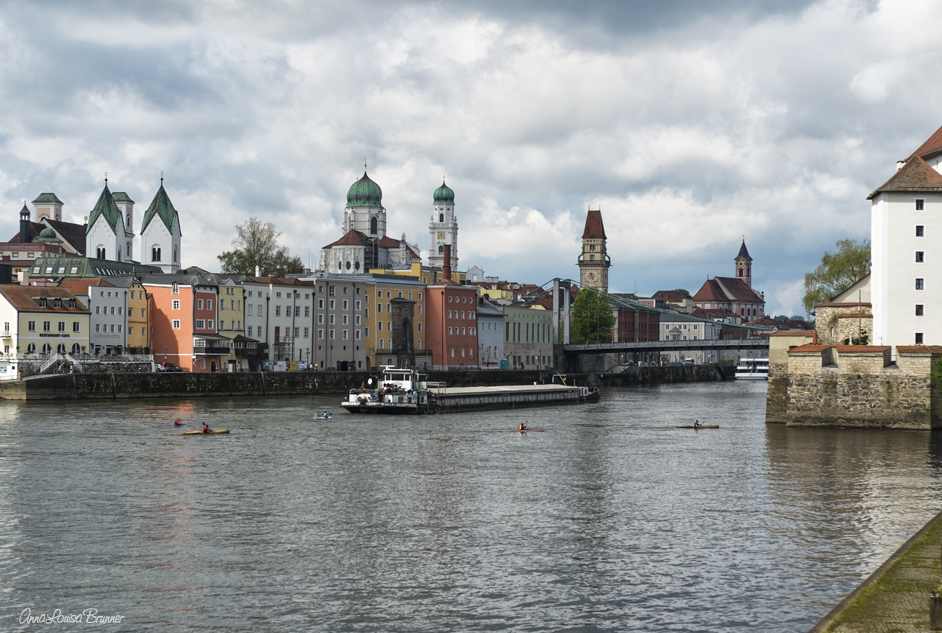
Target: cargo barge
403, 391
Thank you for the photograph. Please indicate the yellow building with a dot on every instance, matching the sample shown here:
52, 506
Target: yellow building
232, 321
40, 320
387, 308
138, 314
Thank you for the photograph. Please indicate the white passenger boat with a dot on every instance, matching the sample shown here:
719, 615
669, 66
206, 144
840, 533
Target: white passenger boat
406, 391
753, 369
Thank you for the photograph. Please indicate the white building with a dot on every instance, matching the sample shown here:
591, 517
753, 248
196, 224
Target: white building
680, 327
490, 333
107, 305
288, 316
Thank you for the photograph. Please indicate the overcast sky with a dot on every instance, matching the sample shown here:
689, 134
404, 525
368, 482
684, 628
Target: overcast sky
689, 123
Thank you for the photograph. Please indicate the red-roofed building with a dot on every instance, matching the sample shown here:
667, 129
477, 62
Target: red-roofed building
734, 294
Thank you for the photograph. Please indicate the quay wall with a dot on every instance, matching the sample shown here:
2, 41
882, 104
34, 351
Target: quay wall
82, 386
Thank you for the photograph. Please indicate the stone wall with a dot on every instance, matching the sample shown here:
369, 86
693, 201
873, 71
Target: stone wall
840, 323
779, 344
858, 386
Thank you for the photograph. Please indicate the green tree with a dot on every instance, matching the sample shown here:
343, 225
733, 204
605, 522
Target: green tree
837, 272
256, 244
683, 292
592, 317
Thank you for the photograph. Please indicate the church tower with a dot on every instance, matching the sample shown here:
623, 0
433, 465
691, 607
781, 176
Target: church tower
365, 212
743, 264
160, 233
443, 229
594, 261
106, 234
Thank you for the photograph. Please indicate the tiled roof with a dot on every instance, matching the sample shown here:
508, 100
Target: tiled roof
807, 333
70, 233
594, 229
670, 296
738, 289
85, 267
915, 176
919, 349
25, 299
80, 286
710, 291
47, 198
931, 147
35, 228
351, 238
161, 207
107, 208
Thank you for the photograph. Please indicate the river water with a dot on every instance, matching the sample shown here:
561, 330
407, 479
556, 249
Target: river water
611, 520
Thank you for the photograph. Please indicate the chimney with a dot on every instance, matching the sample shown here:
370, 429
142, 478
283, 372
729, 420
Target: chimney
446, 262
258, 271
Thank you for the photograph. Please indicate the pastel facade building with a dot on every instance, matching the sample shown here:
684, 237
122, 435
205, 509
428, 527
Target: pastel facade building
183, 321
108, 313
41, 320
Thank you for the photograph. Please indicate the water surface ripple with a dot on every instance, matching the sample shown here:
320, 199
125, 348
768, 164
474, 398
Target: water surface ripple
611, 520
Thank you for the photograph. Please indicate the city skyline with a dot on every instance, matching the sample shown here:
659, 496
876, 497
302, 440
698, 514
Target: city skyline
689, 127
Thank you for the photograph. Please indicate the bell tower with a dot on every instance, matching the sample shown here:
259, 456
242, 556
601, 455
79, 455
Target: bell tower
743, 264
594, 261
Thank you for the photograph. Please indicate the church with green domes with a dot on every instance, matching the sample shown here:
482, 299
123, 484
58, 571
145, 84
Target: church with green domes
364, 244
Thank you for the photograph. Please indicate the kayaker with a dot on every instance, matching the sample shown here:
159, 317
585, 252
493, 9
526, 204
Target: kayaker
523, 426
177, 422
206, 428
696, 424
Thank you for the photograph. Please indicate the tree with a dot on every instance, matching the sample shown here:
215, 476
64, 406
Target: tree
592, 317
837, 272
256, 244
683, 292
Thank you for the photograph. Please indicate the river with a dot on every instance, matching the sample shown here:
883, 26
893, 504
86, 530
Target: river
610, 520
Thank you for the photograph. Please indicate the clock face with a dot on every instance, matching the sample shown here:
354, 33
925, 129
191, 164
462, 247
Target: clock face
441, 235
742, 264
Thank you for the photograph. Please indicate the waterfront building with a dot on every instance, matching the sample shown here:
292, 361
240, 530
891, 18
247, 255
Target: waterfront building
451, 320
528, 337
673, 300
395, 329
443, 228
594, 261
40, 320
232, 324
183, 322
736, 293
288, 318
364, 244
137, 311
681, 327
256, 300
338, 324
634, 320
108, 313
490, 319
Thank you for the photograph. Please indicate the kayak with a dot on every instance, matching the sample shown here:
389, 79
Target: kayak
526, 430
179, 425
320, 417
207, 433
702, 426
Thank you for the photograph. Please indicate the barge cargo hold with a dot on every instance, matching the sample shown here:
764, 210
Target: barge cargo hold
402, 391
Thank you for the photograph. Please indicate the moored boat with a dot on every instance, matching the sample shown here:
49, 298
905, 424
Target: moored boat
405, 391
753, 369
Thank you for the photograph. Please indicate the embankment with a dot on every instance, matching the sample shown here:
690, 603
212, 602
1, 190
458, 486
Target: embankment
187, 385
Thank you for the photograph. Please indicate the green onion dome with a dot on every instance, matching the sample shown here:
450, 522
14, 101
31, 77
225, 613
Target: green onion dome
444, 195
48, 233
365, 193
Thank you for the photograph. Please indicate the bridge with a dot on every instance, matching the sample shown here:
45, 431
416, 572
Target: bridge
752, 343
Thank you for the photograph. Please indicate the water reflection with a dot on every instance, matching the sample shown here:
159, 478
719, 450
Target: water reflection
613, 519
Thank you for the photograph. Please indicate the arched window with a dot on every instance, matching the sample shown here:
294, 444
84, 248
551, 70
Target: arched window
76, 348
155, 254
441, 217
441, 250
372, 226
129, 220
119, 255
31, 348
47, 348
101, 253
61, 348
175, 260
740, 272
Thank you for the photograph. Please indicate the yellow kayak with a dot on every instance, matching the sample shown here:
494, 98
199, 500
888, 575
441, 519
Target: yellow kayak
702, 426
206, 433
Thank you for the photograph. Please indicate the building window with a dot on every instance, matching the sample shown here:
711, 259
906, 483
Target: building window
920, 230
918, 338
62, 326
320, 334
200, 324
307, 332
920, 257
155, 254
277, 310
176, 324
47, 326
176, 304
297, 311
175, 289
209, 324
356, 335
919, 309
31, 326
76, 326
920, 204
920, 283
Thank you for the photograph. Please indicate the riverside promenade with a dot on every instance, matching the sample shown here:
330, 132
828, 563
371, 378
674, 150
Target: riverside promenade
896, 596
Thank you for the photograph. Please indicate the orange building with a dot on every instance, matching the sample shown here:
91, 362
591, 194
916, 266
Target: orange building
183, 322
451, 320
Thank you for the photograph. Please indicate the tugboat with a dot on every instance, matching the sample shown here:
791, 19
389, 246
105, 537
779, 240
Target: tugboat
406, 391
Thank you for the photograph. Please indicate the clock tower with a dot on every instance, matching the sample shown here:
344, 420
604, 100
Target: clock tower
594, 261
443, 229
743, 264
